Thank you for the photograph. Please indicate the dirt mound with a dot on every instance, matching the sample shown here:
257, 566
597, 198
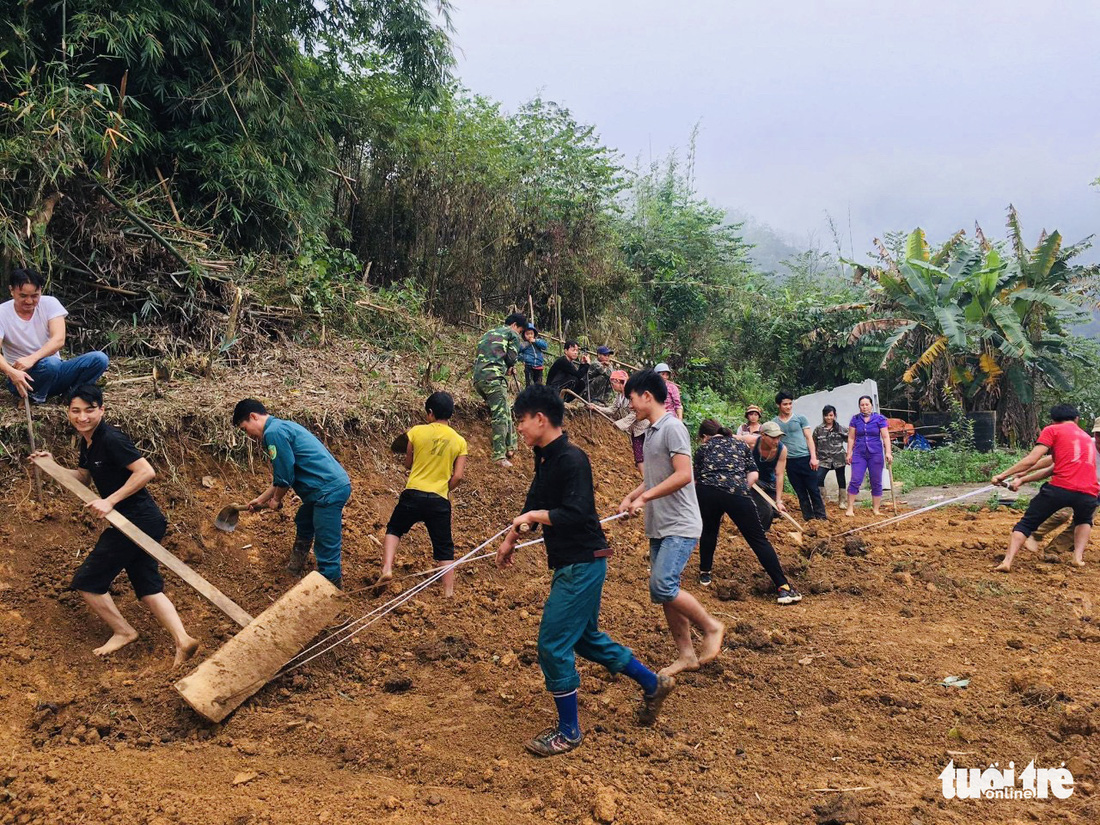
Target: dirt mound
422, 718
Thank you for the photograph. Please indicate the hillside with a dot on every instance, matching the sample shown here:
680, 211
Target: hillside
422, 718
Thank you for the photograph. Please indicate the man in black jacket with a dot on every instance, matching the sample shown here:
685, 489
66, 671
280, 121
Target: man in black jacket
561, 499
565, 374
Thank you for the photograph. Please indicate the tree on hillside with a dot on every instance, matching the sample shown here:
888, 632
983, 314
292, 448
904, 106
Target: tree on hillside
988, 323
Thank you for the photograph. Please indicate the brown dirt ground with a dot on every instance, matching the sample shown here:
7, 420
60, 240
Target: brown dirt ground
422, 718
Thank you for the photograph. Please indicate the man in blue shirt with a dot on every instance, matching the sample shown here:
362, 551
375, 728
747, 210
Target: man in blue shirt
802, 461
300, 460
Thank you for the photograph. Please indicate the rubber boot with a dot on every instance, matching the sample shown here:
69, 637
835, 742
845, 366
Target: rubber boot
299, 555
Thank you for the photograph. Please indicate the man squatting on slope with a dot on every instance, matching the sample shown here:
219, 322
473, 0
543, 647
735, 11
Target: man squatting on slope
110, 459
561, 499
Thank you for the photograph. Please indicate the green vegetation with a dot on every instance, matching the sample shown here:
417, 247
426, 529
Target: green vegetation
202, 177
948, 465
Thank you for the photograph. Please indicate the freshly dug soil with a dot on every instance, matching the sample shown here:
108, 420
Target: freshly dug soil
422, 718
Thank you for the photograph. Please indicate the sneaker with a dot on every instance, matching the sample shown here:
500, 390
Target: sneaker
551, 742
705, 578
651, 703
788, 595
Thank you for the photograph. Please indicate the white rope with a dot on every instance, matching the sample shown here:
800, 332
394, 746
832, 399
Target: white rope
486, 555
359, 625
904, 516
365, 621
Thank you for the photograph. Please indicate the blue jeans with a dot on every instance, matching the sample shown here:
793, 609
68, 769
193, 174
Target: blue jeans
52, 376
667, 559
570, 624
322, 522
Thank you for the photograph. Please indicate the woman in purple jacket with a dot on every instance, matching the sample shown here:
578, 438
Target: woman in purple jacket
868, 450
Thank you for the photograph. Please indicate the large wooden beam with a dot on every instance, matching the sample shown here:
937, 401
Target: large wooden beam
145, 542
254, 656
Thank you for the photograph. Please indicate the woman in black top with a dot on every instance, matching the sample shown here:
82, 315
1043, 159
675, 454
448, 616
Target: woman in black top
724, 473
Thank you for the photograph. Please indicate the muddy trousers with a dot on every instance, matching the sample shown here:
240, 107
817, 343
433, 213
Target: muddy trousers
570, 627
714, 503
322, 522
495, 393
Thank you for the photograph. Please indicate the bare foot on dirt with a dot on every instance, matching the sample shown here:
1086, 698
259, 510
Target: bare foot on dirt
875, 513
849, 514
711, 645
1003, 567
116, 642
185, 651
382, 583
1031, 544
1078, 563
680, 665
504, 463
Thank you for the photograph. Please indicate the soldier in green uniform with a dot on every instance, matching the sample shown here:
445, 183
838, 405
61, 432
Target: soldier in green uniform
497, 353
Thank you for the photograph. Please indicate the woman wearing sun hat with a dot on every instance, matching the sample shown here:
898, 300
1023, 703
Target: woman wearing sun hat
625, 418
750, 430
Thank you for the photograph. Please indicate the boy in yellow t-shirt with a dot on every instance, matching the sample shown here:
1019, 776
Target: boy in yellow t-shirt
436, 459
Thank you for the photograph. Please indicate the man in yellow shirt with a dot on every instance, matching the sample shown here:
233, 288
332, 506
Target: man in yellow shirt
436, 460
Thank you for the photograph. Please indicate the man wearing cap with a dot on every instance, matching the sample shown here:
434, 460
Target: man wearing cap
673, 403
599, 377
750, 430
1053, 530
1075, 482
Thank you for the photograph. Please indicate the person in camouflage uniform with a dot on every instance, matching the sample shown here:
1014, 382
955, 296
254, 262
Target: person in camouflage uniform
599, 377
497, 353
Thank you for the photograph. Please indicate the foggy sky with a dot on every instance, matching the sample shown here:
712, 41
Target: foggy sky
936, 114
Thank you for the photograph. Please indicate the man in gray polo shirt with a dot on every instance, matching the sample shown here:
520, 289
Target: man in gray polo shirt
672, 521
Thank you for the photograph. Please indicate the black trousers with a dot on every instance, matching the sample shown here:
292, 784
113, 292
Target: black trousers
1050, 500
841, 476
804, 482
714, 502
764, 511
531, 375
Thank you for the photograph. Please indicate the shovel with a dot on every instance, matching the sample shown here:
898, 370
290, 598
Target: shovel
227, 519
265, 643
796, 536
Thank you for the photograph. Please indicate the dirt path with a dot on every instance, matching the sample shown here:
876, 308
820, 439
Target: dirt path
422, 718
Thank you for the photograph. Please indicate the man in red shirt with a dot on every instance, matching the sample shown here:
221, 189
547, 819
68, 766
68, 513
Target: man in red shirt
1074, 483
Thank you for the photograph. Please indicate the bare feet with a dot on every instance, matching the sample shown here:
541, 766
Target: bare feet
849, 514
1078, 562
712, 644
680, 665
876, 512
185, 651
1003, 567
116, 642
382, 583
1031, 544
504, 463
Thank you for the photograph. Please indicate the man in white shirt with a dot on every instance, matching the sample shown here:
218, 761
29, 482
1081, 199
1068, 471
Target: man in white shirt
32, 332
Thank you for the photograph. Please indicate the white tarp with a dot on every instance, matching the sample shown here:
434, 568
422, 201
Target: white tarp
846, 400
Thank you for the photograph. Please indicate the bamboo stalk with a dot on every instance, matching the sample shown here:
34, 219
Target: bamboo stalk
168, 194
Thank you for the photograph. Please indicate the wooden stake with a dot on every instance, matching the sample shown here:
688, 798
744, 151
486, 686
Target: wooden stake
34, 449
893, 496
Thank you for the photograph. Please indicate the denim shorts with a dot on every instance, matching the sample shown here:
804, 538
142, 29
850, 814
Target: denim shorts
667, 559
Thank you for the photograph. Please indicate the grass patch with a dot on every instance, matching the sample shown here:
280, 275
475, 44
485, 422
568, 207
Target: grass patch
947, 465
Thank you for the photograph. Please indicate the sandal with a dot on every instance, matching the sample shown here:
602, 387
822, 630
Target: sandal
551, 742
651, 704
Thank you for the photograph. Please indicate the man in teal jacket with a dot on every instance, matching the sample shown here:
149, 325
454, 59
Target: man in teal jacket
301, 461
